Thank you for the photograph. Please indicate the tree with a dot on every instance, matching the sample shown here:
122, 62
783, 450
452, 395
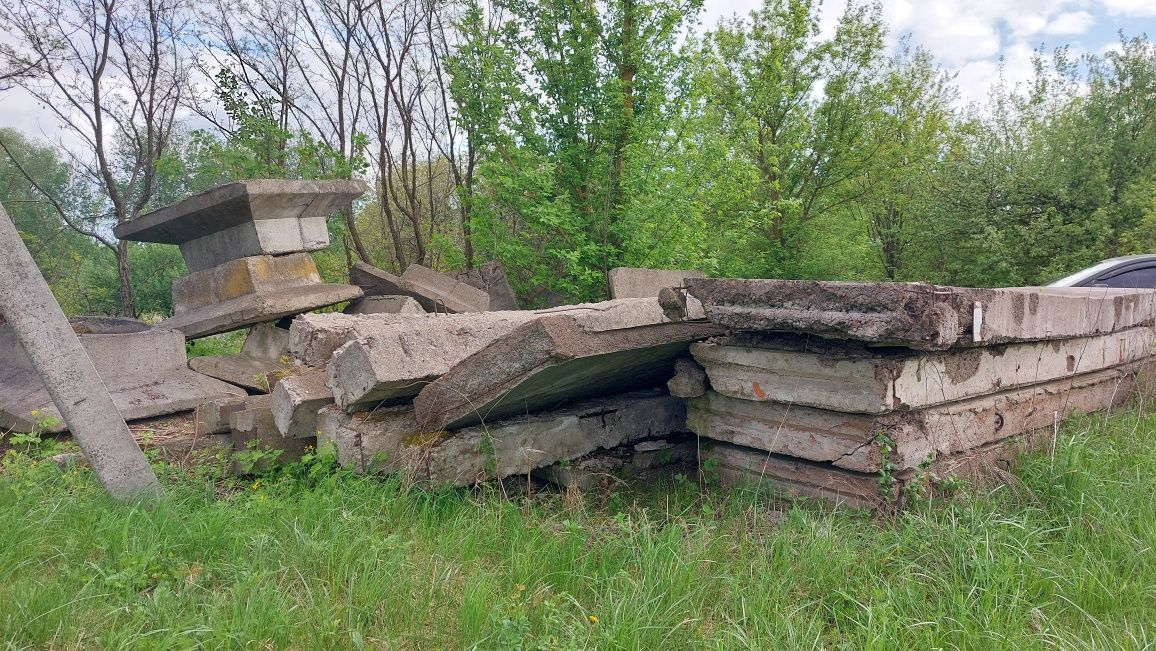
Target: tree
113, 73
565, 99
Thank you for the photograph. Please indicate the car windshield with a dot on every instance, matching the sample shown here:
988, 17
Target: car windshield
1084, 274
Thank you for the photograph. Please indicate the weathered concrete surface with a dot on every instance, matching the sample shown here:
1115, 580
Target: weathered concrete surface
393, 356
553, 361
439, 292
689, 379
144, 369
64, 367
490, 277
634, 282
212, 417
265, 353
296, 400
246, 219
435, 292
385, 305
243, 277
370, 441
851, 377
253, 431
987, 464
921, 316
851, 440
256, 308
609, 468
520, 445
388, 440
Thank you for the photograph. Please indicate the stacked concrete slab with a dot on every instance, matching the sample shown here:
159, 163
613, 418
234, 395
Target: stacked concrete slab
246, 247
585, 378
850, 391
144, 368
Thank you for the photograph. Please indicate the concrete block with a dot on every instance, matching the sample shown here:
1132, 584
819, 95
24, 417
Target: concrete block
922, 316
264, 355
249, 218
439, 292
609, 468
248, 291
253, 431
689, 379
296, 401
144, 369
851, 377
552, 361
393, 356
633, 282
518, 446
385, 305
212, 416
852, 441
491, 278
371, 442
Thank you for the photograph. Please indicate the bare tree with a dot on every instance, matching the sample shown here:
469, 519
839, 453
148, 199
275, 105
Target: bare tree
113, 74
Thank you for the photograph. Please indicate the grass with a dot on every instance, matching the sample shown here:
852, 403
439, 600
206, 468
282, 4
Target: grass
228, 343
317, 558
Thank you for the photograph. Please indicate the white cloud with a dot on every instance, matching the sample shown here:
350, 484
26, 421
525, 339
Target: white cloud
1130, 7
1071, 22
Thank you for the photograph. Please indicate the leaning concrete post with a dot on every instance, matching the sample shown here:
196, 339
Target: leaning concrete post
68, 373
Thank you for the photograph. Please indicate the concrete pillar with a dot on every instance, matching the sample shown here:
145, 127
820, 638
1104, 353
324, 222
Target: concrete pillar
68, 373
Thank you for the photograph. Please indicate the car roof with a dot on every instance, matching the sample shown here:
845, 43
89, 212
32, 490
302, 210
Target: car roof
1100, 267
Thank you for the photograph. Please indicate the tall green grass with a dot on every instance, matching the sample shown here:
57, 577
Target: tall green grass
1061, 558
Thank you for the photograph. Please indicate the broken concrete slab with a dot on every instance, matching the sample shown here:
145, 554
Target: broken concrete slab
851, 377
438, 292
634, 282
384, 305
63, 366
739, 466
549, 362
248, 218
248, 291
518, 446
212, 416
296, 401
435, 292
689, 379
490, 277
393, 356
264, 354
145, 370
921, 316
855, 441
608, 468
257, 445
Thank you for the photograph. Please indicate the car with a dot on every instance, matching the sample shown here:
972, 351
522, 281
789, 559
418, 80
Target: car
1127, 272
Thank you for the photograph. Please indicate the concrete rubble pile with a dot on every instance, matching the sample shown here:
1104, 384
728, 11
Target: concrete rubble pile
858, 392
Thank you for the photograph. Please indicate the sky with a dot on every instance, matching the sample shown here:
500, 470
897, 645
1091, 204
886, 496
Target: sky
968, 37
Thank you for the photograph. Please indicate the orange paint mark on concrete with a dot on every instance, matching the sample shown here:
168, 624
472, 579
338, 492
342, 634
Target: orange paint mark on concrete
759, 393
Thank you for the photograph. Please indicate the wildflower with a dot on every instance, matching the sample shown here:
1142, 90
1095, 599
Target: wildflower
521, 587
262, 497
256, 484
35, 413
593, 618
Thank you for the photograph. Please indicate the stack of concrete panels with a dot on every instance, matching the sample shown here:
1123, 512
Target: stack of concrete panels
246, 248
144, 368
851, 391
433, 291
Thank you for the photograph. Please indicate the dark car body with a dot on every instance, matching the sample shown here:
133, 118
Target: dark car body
1128, 272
